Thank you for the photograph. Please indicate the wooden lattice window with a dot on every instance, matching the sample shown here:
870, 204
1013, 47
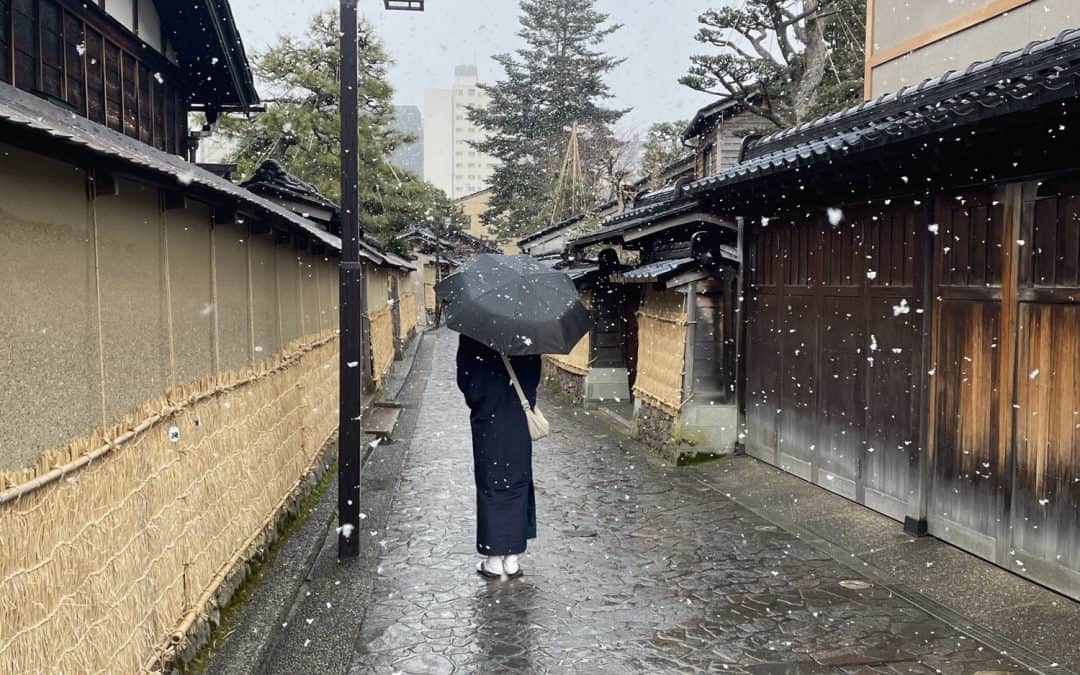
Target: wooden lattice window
64, 51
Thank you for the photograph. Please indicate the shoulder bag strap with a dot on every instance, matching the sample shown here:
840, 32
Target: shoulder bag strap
517, 385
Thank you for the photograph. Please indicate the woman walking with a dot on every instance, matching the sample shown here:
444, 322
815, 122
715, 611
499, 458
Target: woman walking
508, 309
502, 453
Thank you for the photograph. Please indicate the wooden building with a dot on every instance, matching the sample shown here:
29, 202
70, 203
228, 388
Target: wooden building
911, 305
168, 339
663, 329
910, 300
716, 133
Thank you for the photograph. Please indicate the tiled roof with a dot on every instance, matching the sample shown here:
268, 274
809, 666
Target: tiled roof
271, 177
655, 271
33, 115
1042, 72
581, 272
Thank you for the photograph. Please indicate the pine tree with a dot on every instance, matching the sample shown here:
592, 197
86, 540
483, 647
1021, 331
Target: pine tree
786, 61
663, 145
301, 126
555, 81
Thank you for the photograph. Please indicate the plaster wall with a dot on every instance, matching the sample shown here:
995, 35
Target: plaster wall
48, 331
310, 290
188, 235
267, 317
288, 274
133, 303
231, 244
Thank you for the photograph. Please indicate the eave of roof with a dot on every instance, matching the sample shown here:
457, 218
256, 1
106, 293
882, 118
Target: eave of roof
655, 271
1043, 72
708, 113
557, 227
33, 116
189, 26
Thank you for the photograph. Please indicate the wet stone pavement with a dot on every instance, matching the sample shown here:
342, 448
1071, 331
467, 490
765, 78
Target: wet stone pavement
638, 567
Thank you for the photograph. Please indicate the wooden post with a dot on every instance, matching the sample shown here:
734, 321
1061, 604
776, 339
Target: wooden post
739, 307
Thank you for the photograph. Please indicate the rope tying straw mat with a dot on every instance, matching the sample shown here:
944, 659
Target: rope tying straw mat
101, 571
661, 350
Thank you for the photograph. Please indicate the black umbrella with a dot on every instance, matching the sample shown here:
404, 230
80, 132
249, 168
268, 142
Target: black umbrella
514, 304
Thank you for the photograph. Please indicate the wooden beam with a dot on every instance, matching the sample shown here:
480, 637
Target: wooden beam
940, 32
225, 215
172, 200
105, 184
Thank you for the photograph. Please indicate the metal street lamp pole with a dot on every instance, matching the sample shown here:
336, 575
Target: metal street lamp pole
352, 298
351, 301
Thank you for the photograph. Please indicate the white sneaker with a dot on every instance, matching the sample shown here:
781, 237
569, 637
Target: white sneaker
491, 567
510, 566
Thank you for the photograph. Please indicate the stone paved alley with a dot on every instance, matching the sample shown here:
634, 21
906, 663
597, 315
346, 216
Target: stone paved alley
639, 567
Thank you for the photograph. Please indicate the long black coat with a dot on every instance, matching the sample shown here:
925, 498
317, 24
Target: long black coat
502, 447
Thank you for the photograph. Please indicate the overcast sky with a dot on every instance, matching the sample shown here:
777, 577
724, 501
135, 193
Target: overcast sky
656, 40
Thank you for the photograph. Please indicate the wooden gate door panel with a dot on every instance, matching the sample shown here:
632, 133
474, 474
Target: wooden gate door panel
1045, 513
842, 401
891, 438
762, 344
1046, 492
762, 376
969, 480
798, 385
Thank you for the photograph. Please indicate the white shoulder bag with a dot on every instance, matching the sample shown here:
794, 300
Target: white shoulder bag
538, 424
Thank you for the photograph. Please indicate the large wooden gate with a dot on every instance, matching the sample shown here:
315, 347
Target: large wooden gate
834, 335
1006, 429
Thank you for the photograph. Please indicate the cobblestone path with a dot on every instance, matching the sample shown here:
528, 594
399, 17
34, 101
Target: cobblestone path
638, 568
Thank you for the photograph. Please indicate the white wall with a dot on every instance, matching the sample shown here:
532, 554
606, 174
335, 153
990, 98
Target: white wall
1036, 20
439, 139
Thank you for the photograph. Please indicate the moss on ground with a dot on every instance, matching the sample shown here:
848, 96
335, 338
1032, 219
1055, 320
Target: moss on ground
260, 565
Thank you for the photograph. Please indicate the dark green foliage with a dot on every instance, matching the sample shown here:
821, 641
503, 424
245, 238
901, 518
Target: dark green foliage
663, 145
300, 127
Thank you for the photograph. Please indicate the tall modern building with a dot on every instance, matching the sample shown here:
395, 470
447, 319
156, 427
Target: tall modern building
410, 156
450, 162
